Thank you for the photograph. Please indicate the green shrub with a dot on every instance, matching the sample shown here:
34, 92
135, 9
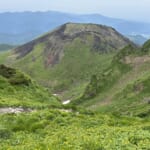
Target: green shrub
5, 133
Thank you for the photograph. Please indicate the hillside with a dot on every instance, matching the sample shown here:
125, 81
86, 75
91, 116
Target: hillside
51, 128
20, 27
124, 86
39, 122
43, 124
61, 59
106, 77
18, 90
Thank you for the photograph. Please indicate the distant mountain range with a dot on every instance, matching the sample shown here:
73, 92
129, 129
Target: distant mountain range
138, 39
21, 27
4, 47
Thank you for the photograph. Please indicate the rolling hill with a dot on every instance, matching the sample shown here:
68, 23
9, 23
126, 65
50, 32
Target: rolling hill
19, 90
61, 59
124, 86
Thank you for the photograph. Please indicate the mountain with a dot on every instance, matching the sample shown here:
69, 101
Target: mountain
66, 59
108, 85
4, 47
122, 88
30, 118
18, 89
138, 39
68, 56
20, 27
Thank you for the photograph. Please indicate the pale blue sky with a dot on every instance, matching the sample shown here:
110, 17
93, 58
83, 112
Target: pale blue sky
126, 9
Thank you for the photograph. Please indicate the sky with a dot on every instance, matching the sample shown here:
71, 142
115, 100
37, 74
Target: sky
126, 9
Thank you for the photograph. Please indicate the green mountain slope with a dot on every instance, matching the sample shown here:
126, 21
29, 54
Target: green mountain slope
57, 128
124, 86
61, 59
103, 81
17, 89
51, 128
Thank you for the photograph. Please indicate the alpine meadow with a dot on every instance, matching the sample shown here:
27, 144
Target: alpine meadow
74, 81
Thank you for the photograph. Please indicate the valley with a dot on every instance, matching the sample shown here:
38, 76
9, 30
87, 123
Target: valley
78, 87
60, 60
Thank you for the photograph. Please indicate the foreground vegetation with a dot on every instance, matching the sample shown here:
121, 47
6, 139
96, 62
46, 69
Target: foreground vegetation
111, 106
53, 129
18, 89
50, 126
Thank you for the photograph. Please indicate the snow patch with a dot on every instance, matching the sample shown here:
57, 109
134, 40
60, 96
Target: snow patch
66, 102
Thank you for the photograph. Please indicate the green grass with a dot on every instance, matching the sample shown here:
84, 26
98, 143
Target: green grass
112, 90
110, 101
74, 70
134, 98
3, 56
103, 81
49, 127
53, 129
17, 89
110, 110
